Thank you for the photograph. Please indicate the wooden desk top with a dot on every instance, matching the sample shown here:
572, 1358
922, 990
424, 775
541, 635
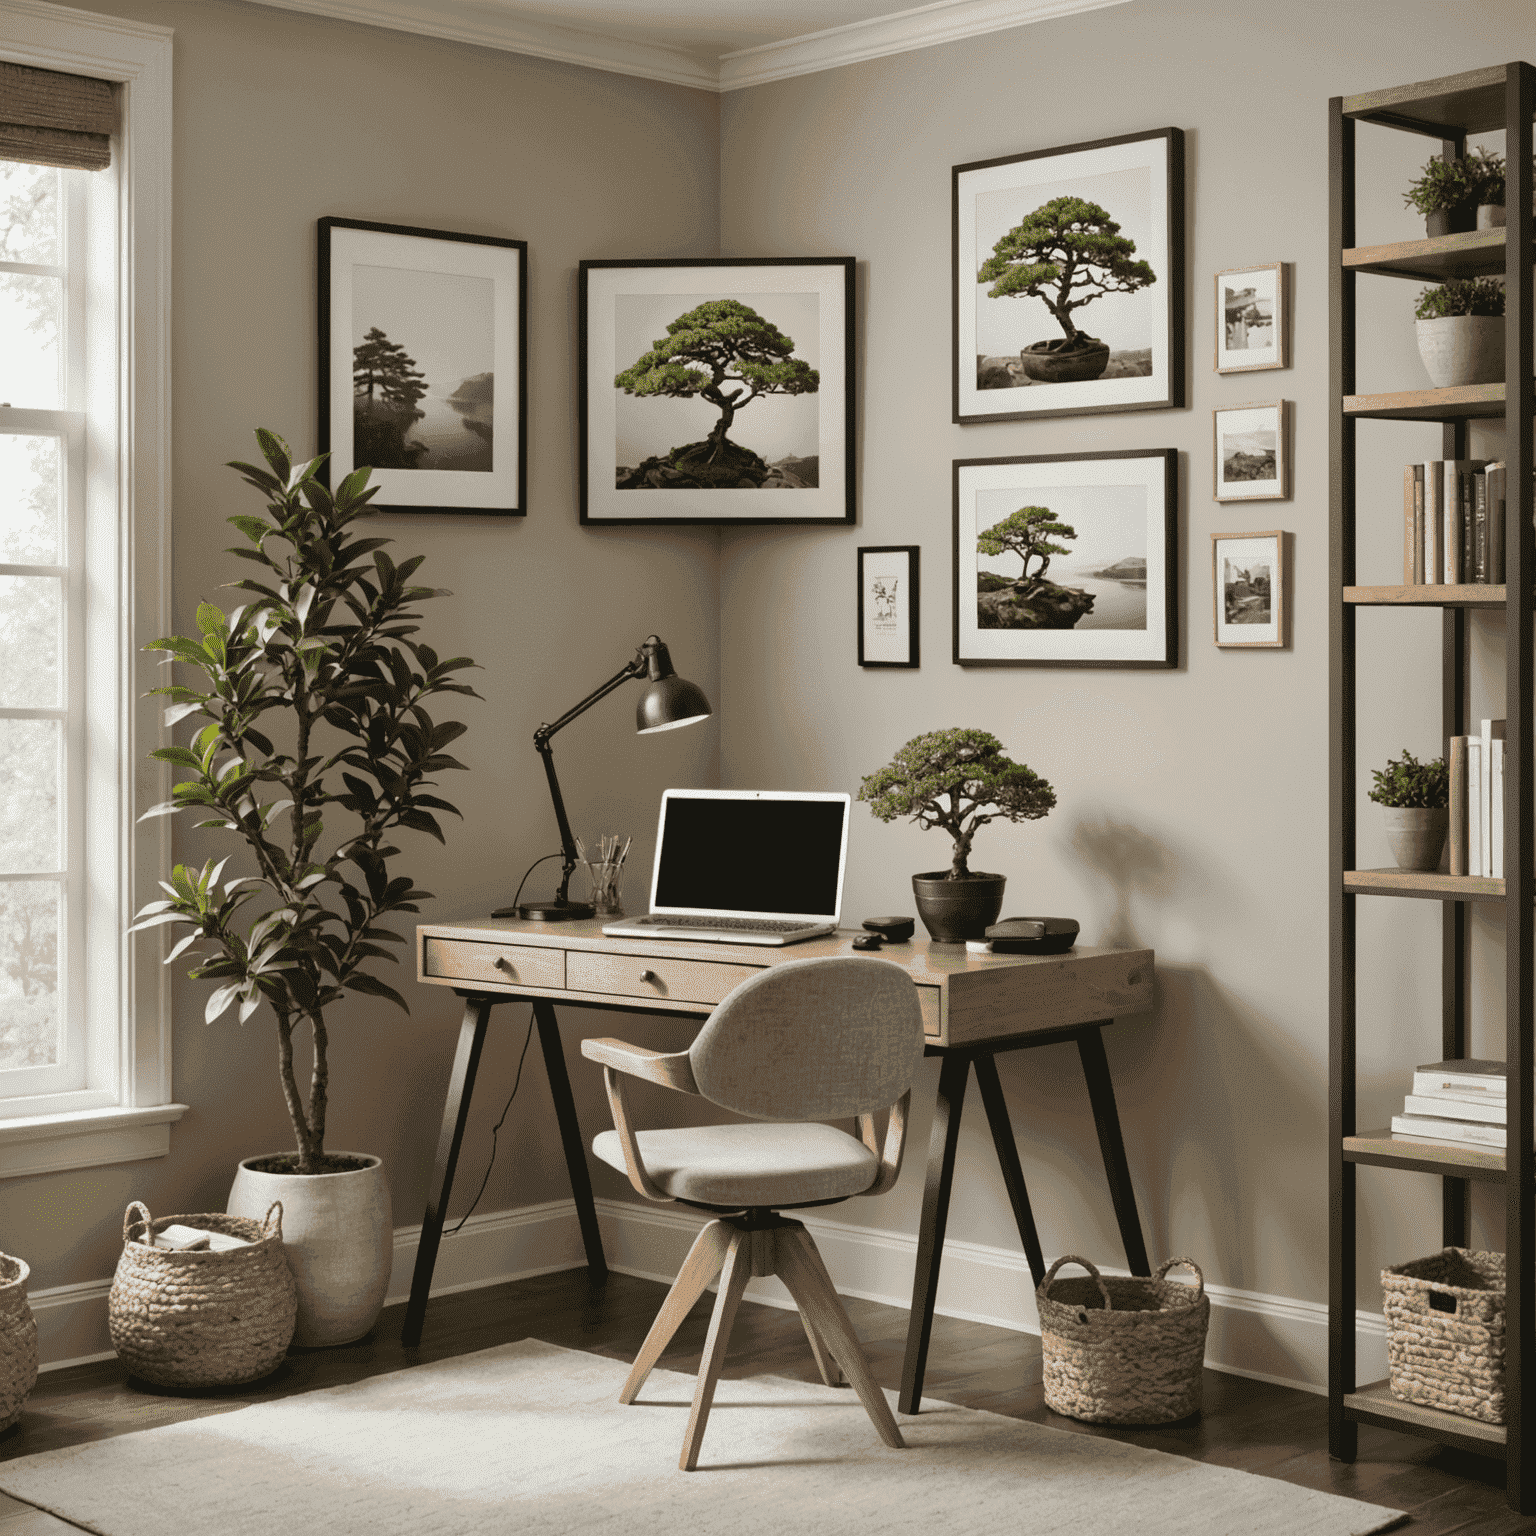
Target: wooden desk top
966, 997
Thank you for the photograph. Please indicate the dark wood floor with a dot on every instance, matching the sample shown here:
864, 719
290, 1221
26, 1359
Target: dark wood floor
1273, 1431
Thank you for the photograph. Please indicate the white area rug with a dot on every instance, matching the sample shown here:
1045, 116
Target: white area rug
529, 1438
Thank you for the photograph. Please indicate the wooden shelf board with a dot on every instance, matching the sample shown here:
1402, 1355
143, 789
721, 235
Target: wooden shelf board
1472, 102
1428, 595
1381, 1149
1479, 252
1376, 1405
1412, 882
1461, 402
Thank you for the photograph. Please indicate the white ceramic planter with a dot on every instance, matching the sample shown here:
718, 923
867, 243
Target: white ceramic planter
1462, 349
1490, 216
1416, 834
338, 1233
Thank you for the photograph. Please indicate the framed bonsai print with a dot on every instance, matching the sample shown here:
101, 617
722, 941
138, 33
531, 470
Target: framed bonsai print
717, 390
1249, 601
423, 364
1067, 560
1069, 280
1251, 458
1251, 319
888, 605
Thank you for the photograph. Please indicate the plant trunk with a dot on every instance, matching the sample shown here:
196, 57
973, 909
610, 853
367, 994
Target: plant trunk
717, 436
959, 868
310, 1145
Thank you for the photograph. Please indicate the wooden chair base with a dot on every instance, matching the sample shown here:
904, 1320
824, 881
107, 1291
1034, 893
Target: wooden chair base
739, 1249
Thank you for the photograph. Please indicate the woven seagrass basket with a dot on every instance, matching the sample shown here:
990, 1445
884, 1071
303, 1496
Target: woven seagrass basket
18, 1340
1445, 1332
1123, 1349
189, 1319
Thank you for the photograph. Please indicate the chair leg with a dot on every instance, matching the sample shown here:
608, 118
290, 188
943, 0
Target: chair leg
693, 1279
801, 1269
733, 1281
831, 1373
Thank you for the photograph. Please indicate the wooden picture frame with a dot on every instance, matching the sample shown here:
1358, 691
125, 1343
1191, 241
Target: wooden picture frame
1253, 321
889, 603
1012, 356
1250, 590
1251, 452
1111, 525
423, 365
649, 451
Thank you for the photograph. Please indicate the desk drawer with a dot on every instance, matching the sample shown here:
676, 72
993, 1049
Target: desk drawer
469, 960
690, 981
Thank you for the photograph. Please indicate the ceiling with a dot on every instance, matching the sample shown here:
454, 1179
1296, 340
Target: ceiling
718, 45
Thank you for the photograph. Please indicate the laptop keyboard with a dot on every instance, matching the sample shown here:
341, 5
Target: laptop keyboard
726, 924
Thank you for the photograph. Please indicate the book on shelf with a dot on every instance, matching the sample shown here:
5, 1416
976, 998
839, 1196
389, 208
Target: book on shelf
1487, 1111
1495, 492
1462, 1075
1427, 1128
1413, 522
1441, 522
1491, 806
1474, 805
1456, 762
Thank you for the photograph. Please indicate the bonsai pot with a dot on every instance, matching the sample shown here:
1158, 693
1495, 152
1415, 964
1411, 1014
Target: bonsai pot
1450, 221
338, 1234
956, 910
1417, 834
1462, 349
1065, 362
1490, 215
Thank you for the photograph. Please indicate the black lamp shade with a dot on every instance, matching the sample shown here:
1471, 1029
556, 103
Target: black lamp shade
669, 702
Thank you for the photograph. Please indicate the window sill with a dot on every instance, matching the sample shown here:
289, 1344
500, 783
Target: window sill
85, 1139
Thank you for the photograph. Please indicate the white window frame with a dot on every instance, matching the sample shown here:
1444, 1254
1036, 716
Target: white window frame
124, 1110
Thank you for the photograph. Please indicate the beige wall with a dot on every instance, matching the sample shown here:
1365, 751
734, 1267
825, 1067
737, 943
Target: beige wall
279, 120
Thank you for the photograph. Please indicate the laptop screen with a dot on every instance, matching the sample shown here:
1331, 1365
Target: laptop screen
751, 853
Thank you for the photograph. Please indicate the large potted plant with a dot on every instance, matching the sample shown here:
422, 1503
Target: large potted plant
1459, 325
957, 780
1416, 797
325, 657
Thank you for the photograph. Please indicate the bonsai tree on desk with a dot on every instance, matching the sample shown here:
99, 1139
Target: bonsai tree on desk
957, 780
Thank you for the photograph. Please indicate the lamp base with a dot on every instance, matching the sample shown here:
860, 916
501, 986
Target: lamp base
549, 911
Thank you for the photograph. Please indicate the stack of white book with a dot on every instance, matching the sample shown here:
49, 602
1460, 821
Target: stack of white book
1476, 765
1456, 1101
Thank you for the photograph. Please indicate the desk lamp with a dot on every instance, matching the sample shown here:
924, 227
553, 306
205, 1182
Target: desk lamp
668, 701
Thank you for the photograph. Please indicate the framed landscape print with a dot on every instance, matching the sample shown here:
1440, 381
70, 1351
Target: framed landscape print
423, 363
1069, 280
888, 605
717, 390
1067, 560
1251, 458
1248, 578
1251, 319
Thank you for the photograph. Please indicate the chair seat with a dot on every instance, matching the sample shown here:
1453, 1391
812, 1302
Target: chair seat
755, 1164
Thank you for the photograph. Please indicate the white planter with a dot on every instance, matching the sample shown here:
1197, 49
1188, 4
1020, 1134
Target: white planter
1490, 216
338, 1233
1462, 349
1416, 834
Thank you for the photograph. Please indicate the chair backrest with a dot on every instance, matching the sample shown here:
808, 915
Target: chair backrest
812, 1040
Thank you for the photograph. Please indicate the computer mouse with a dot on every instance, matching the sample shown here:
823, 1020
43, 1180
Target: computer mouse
868, 941
894, 930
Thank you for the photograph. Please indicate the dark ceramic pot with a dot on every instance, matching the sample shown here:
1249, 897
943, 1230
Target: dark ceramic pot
1065, 362
956, 910
1452, 221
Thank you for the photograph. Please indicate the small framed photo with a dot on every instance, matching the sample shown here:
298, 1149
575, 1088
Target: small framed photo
1067, 560
717, 390
1069, 280
1249, 578
1252, 326
1251, 454
423, 364
888, 605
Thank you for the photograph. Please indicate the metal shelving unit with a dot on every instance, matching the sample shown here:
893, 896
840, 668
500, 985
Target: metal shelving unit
1447, 110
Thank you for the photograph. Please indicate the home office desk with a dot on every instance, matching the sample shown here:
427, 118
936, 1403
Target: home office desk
973, 1006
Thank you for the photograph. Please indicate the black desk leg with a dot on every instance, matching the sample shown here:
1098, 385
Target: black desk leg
570, 1139
1101, 1094
461, 1084
942, 1141
1008, 1160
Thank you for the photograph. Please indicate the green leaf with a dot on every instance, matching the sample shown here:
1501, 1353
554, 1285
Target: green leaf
254, 528
178, 755
422, 821
258, 477
275, 451
220, 1000
210, 620
175, 713
371, 986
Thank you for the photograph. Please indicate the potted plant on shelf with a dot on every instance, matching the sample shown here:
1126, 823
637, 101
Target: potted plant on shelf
1417, 798
1460, 330
325, 657
1487, 169
1446, 194
958, 780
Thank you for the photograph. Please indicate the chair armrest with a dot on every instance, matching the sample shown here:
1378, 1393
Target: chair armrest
634, 1164
895, 1143
669, 1069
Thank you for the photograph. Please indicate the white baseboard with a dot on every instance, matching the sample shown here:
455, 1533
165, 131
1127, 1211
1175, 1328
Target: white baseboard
1268, 1338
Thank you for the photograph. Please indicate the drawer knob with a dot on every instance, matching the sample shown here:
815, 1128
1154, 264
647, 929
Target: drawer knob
647, 975
503, 964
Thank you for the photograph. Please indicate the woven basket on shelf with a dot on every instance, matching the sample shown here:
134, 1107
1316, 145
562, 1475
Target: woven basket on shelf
1123, 1349
202, 1319
1445, 1332
18, 1340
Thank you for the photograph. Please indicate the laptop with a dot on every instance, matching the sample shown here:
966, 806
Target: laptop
745, 866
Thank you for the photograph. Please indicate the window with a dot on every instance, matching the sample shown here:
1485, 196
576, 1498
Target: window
84, 1027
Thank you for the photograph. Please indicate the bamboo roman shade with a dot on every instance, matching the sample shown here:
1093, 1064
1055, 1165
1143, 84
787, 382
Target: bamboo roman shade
47, 118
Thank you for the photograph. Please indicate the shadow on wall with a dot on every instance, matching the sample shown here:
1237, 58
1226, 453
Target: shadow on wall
1133, 864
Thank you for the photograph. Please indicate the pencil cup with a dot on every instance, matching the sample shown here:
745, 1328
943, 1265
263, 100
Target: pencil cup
605, 866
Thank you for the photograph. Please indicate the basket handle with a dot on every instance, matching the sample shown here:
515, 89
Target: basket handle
146, 1218
1072, 1258
269, 1227
1167, 1264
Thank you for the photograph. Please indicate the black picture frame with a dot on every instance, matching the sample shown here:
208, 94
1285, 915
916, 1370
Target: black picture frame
1142, 174
625, 306
476, 312
1124, 509
889, 616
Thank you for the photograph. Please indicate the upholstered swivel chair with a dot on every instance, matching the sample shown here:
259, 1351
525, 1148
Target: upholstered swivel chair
802, 1041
